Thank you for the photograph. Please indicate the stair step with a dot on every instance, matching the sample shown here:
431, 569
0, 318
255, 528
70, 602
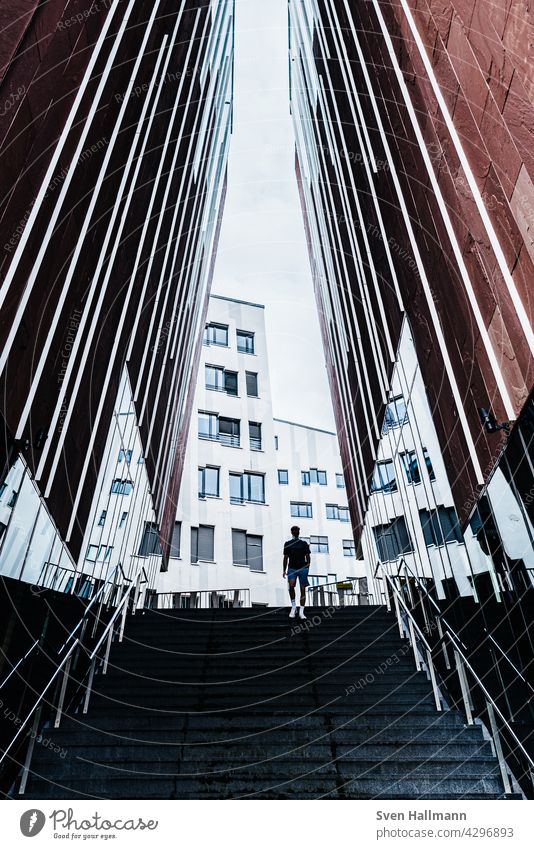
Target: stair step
247, 704
318, 784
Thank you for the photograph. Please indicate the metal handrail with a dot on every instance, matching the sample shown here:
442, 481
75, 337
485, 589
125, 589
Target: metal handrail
420, 585
76, 627
490, 698
87, 609
442, 618
39, 700
21, 660
65, 665
505, 656
408, 612
462, 663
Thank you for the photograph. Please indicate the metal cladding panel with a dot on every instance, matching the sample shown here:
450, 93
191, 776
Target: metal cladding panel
96, 105
443, 95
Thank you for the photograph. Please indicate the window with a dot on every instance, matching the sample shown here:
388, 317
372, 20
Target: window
247, 550
212, 426
276, 443
176, 540
340, 480
102, 519
440, 526
301, 509
3, 529
393, 540
384, 477
92, 552
141, 460
254, 433
334, 511
349, 549
125, 454
319, 545
216, 334
202, 543
252, 384
150, 543
208, 482
229, 431
245, 342
223, 381
283, 476
3, 488
429, 466
121, 487
98, 552
411, 467
396, 414
13, 500
247, 487
123, 519
314, 476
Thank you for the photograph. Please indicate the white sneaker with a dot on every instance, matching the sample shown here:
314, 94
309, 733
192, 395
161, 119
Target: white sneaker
301, 615
293, 613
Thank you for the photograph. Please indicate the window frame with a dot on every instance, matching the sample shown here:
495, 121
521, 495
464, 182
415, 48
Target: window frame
286, 473
253, 374
245, 487
396, 422
246, 334
390, 485
308, 514
349, 543
202, 472
255, 442
214, 324
321, 547
196, 558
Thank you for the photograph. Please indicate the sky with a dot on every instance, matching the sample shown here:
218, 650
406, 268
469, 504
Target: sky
262, 252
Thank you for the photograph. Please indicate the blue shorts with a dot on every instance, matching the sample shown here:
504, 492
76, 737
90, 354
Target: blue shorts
301, 574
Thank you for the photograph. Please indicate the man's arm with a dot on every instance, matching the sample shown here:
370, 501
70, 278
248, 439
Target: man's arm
286, 558
307, 556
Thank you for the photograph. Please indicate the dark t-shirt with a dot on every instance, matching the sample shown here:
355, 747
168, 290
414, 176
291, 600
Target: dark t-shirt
296, 549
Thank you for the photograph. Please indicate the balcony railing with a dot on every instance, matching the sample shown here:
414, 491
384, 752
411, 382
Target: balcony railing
199, 599
223, 438
350, 592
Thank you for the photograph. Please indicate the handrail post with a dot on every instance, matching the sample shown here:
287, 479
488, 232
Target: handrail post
62, 691
136, 593
465, 688
29, 752
108, 649
432, 672
498, 747
443, 644
123, 621
414, 645
89, 685
399, 619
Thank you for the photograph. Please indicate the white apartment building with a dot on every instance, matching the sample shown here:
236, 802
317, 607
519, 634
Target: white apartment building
313, 496
249, 477
227, 533
411, 512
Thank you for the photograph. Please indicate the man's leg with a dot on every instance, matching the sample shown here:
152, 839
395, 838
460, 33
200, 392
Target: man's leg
303, 583
292, 583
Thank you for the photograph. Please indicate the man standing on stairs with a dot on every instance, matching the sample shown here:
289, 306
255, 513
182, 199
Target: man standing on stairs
297, 558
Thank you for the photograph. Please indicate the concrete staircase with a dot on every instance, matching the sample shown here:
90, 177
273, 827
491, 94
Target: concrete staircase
245, 703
